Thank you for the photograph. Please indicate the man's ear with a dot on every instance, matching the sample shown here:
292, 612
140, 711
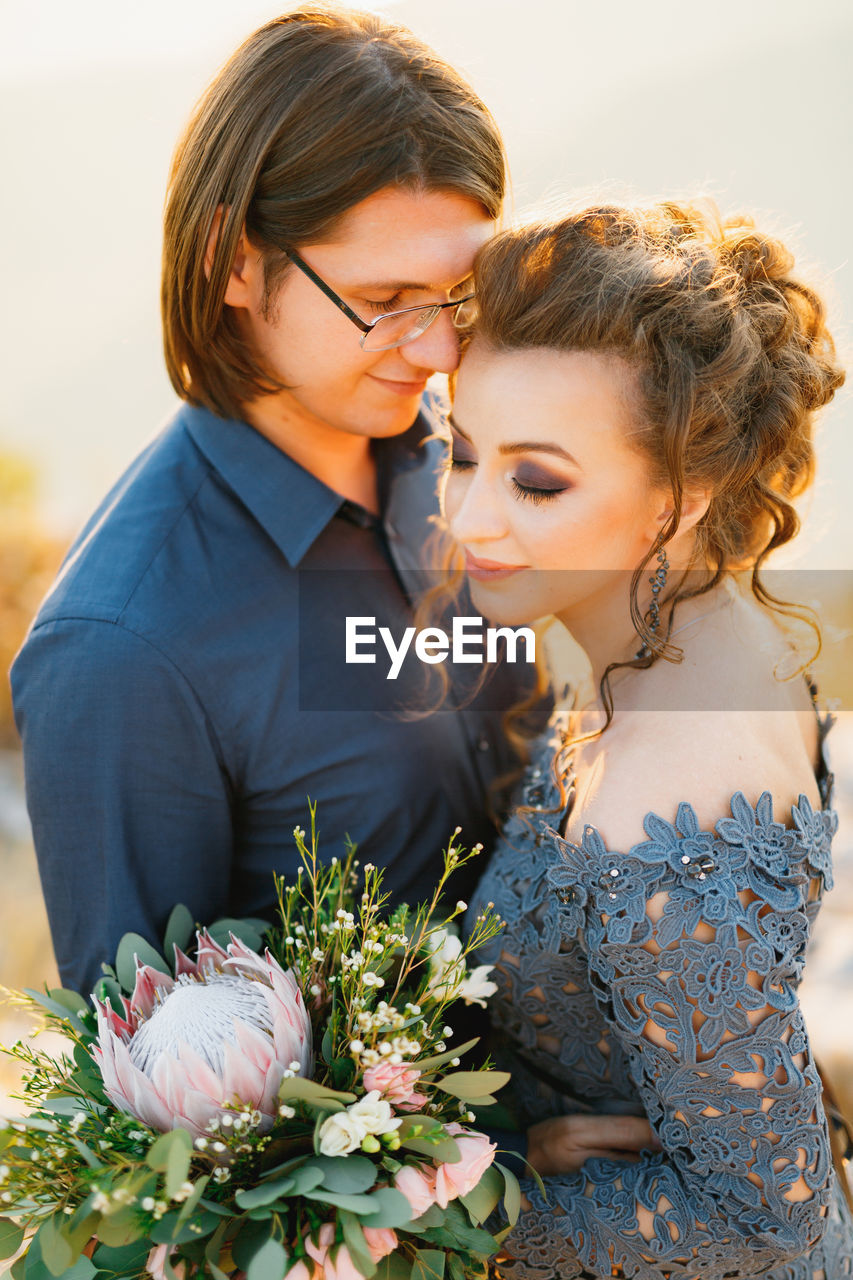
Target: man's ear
238, 290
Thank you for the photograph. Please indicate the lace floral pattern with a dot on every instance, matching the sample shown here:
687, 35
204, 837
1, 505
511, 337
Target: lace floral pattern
687, 1013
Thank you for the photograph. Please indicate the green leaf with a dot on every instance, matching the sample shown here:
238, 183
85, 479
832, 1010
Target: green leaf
160, 1157
132, 947
300, 1089
438, 1060
178, 1167
264, 1193
355, 1204
512, 1194
86, 1152
473, 1086
129, 1258
251, 931
391, 1209
179, 929
55, 1007
18, 1268
395, 1267
120, 1228
482, 1199
445, 1150
107, 989
269, 1263
56, 1253
305, 1179
433, 1217
11, 1237
356, 1243
191, 1203
350, 1174
327, 1047
251, 1237
428, 1264
171, 1229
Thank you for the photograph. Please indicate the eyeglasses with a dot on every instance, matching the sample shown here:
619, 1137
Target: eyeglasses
394, 328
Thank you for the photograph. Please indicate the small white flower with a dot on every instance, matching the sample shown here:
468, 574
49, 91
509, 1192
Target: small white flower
6, 1197
286, 1112
356, 1047
101, 1203
461, 906
184, 1192
221, 1174
317, 954
374, 1114
219, 1148
227, 1121
340, 1134
454, 1062
148, 1204
4, 1172
476, 988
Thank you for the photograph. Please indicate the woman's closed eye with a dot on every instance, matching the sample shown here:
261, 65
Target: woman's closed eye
386, 304
534, 485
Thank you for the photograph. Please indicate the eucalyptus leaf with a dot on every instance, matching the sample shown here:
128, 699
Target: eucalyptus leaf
55, 1007
391, 1209
107, 989
445, 1150
301, 1089
160, 1154
512, 1194
355, 1204
172, 1230
120, 1228
394, 1267
350, 1174
251, 1237
179, 929
129, 1258
432, 1217
356, 1244
264, 1193
57, 1254
305, 1179
132, 947
428, 1264
269, 1263
482, 1199
250, 931
473, 1086
11, 1237
178, 1164
438, 1060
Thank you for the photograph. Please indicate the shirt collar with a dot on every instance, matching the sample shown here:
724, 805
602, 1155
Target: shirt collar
290, 503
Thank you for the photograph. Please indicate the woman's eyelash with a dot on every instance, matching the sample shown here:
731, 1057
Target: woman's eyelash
530, 494
460, 464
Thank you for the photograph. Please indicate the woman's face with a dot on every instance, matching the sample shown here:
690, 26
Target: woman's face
547, 494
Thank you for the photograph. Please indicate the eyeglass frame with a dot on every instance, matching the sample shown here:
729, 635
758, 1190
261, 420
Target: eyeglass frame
366, 326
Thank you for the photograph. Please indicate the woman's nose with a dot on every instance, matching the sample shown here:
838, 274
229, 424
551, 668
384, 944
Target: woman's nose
473, 509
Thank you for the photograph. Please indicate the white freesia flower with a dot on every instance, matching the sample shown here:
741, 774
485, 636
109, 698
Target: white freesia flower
476, 988
449, 977
340, 1134
374, 1114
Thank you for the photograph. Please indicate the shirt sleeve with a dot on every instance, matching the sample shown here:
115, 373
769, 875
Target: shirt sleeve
694, 946
126, 789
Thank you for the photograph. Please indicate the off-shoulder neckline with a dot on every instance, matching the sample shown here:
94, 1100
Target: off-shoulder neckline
823, 776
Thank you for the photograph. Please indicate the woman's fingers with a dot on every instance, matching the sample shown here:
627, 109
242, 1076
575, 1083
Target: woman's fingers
630, 1133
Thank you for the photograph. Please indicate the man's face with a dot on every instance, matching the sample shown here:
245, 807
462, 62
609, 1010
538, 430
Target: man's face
398, 248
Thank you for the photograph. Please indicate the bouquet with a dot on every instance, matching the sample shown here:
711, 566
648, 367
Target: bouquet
292, 1109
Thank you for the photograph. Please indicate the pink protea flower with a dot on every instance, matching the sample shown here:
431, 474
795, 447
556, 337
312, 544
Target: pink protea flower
221, 1033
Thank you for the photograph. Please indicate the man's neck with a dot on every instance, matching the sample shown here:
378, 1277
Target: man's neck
343, 461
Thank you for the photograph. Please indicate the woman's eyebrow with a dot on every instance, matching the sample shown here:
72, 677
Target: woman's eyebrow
525, 446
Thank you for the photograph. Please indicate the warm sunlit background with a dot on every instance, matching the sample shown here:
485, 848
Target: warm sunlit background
746, 100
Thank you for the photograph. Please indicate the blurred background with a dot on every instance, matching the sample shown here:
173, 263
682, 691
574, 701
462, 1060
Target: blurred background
746, 100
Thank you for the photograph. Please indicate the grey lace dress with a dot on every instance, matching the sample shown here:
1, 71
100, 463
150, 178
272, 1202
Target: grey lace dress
732, 1093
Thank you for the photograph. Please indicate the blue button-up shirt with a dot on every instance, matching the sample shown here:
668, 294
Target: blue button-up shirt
170, 693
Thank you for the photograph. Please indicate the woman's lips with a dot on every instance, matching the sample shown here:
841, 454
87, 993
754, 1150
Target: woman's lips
489, 570
400, 388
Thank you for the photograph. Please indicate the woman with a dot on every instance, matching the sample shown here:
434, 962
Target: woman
631, 421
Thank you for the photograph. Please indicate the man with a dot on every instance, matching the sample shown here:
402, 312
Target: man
178, 695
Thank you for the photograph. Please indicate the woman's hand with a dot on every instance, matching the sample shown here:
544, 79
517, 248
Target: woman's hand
562, 1144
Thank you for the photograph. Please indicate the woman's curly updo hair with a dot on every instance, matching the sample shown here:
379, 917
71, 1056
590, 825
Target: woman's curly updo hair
731, 352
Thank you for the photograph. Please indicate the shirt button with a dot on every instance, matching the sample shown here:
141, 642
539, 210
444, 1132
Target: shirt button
483, 744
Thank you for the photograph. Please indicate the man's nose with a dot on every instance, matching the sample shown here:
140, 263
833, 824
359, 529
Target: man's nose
437, 348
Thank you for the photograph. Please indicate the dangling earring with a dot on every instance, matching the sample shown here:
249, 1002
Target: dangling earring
658, 581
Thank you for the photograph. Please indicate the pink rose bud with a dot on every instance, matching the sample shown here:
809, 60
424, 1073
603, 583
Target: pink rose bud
380, 1241
417, 1186
457, 1179
396, 1083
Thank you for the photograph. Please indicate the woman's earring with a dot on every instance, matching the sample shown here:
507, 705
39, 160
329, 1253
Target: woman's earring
658, 581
